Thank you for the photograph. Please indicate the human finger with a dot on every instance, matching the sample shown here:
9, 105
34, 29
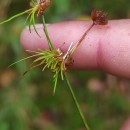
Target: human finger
106, 47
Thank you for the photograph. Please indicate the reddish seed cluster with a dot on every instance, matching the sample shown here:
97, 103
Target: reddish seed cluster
99, 17
43, 4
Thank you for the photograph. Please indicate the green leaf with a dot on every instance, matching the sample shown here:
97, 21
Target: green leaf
24, 59
55, 79
15, 16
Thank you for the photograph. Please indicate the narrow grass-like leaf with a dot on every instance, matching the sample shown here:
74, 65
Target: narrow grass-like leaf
24, 59
34, 66
49, 63
38, 59
54, 65
44, 67
15, 16
27, 17
33, 2
55, 79
61, 73
41, 63
34, 25
30, 69
36, 52
31, 21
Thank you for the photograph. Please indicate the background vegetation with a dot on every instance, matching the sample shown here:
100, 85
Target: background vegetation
27, 103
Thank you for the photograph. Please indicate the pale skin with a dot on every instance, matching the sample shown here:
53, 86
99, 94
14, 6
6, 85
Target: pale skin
106, 47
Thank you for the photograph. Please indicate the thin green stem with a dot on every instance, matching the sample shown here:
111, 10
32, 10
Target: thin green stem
76, 103
15, 16
46, 33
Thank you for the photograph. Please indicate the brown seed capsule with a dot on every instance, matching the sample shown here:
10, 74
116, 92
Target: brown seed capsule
99, 17
43, 5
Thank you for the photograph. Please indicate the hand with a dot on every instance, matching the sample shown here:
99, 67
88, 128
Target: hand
106, 47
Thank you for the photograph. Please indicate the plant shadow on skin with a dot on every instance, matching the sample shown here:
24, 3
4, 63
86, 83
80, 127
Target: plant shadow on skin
54, 58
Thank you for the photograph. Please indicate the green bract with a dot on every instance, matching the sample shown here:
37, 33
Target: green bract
31, 16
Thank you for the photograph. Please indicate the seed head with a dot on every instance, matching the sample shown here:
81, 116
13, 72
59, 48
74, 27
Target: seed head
43, 5
99, 17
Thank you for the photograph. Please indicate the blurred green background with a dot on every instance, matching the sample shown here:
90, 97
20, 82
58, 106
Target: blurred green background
27, 103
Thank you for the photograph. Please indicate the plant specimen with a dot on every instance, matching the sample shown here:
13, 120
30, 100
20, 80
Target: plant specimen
36, 9
54, 58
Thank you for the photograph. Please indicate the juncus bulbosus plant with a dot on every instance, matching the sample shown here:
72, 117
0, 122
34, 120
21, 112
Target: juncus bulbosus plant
54, 58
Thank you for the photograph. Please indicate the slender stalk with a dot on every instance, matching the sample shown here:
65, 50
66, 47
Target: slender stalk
84, 35
81, 39
76, 103
46, 33
17, 15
